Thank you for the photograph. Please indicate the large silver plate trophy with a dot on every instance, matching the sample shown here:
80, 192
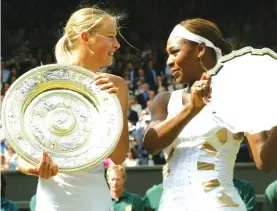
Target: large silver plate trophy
59, 109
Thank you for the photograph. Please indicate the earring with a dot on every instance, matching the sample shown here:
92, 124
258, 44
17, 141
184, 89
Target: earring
202, 65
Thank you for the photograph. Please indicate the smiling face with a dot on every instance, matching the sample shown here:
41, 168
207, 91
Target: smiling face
183, 60
104, 43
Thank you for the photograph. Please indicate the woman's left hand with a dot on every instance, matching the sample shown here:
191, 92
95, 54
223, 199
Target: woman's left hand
103, 80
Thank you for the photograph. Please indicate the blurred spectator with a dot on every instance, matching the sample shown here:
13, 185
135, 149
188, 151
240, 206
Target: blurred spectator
131, 160
5, 72
2, 139
135, 106
161, 89
270, 197
142, 94
14, 74
11, 157
146, 52
159, 159
133, 141
161, 82
243, 153
132, 115
151, 74
122, 200
6, 205
108, 162
4, 163
119, 67
141, 76
33, 202
6, 86
247, 193
139, 134
153, 195
151, 94
148, 106
132, 74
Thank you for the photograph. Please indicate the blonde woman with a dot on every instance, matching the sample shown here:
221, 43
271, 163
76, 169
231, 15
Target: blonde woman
89, 41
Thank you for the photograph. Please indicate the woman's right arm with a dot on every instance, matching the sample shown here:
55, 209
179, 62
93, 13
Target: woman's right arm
161, 132
45, 169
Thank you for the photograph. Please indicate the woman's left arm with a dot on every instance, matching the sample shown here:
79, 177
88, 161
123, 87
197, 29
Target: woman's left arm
118, 156
263, 147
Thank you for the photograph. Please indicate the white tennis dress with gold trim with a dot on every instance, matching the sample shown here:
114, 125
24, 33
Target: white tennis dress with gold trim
200, 165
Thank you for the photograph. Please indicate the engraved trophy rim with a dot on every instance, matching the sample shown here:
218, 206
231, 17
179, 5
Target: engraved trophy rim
72, 95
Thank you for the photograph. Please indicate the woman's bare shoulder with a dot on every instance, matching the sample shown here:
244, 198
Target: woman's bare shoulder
117, 80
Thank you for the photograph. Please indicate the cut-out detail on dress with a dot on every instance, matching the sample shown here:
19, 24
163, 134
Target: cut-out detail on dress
226, 201
222, 135
170, 154
205, 166
166, 170
210, 185
238, 136
209, 149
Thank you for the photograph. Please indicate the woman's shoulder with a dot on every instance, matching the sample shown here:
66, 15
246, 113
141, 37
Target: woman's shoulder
117, 79
160, 103
162, 97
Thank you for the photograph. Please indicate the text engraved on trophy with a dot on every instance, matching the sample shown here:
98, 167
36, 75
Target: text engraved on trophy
28, 148
56, 75
89, 83
41, 113
31, 83
22, 91
12, 118
84, 118
27, 86
38, 133
111, 118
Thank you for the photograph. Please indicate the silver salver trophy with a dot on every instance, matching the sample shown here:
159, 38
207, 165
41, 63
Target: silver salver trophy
59, 109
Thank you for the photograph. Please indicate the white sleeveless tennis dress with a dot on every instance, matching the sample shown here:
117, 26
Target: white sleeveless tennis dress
79, 191
200, 165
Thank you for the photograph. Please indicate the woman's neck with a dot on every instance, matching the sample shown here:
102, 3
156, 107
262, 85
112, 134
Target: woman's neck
81, 60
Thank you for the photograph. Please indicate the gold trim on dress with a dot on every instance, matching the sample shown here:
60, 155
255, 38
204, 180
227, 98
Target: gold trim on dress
166, 170
209, 149
222, 135
205, 166
210, 185
170, 154
226, 201
238, 136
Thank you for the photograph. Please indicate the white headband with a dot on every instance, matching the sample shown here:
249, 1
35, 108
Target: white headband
181, 31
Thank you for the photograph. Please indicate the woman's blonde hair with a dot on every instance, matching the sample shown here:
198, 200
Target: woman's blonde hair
83, 20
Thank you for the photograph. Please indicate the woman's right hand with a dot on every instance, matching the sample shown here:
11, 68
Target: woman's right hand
200, 90
46, 167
